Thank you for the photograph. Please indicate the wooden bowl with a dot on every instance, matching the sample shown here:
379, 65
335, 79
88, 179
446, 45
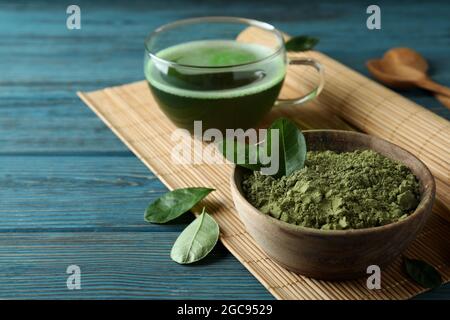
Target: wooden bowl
338, 254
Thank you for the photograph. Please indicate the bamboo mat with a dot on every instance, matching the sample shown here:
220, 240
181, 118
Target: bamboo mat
132, 114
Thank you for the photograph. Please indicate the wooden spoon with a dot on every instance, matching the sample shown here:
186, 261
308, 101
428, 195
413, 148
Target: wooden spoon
405, 68
445, 100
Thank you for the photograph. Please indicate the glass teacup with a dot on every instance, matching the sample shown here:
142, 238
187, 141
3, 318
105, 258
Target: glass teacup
201, 70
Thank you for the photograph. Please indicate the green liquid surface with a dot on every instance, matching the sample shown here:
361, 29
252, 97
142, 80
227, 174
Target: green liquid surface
229, 90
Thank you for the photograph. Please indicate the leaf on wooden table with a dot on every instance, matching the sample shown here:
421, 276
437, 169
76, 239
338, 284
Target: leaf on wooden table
174, 203
196, 241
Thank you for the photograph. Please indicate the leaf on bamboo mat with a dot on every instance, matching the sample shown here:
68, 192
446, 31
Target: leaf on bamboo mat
301, 43
422, 273
197, 240
291, 146
241, 153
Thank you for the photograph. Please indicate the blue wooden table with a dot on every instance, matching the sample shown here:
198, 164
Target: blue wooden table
71, 192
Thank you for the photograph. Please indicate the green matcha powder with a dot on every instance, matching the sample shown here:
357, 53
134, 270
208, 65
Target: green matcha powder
334, 191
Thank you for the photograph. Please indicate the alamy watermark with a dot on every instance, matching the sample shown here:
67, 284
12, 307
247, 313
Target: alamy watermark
73, 21
73, 281
374, 280
193, 151
374, 20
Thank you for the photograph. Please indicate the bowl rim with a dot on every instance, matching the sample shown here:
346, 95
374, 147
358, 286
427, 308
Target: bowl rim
427, 197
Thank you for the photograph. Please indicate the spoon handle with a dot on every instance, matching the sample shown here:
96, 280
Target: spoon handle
429, 84
445, 100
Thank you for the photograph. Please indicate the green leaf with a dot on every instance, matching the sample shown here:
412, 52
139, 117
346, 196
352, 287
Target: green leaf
422, 273
301, 43
291, 146
196, 241
250, 161
174, 203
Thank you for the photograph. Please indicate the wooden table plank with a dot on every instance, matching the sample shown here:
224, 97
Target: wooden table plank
65, 177
116, 265
76, 193
65, 128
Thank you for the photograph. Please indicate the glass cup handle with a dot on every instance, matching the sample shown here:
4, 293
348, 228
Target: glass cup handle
313, 93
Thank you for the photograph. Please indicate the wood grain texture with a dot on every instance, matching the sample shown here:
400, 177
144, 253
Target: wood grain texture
53, 149
115, 265
79, 212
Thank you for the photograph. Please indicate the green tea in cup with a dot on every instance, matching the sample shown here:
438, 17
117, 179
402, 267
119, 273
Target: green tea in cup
198, 71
